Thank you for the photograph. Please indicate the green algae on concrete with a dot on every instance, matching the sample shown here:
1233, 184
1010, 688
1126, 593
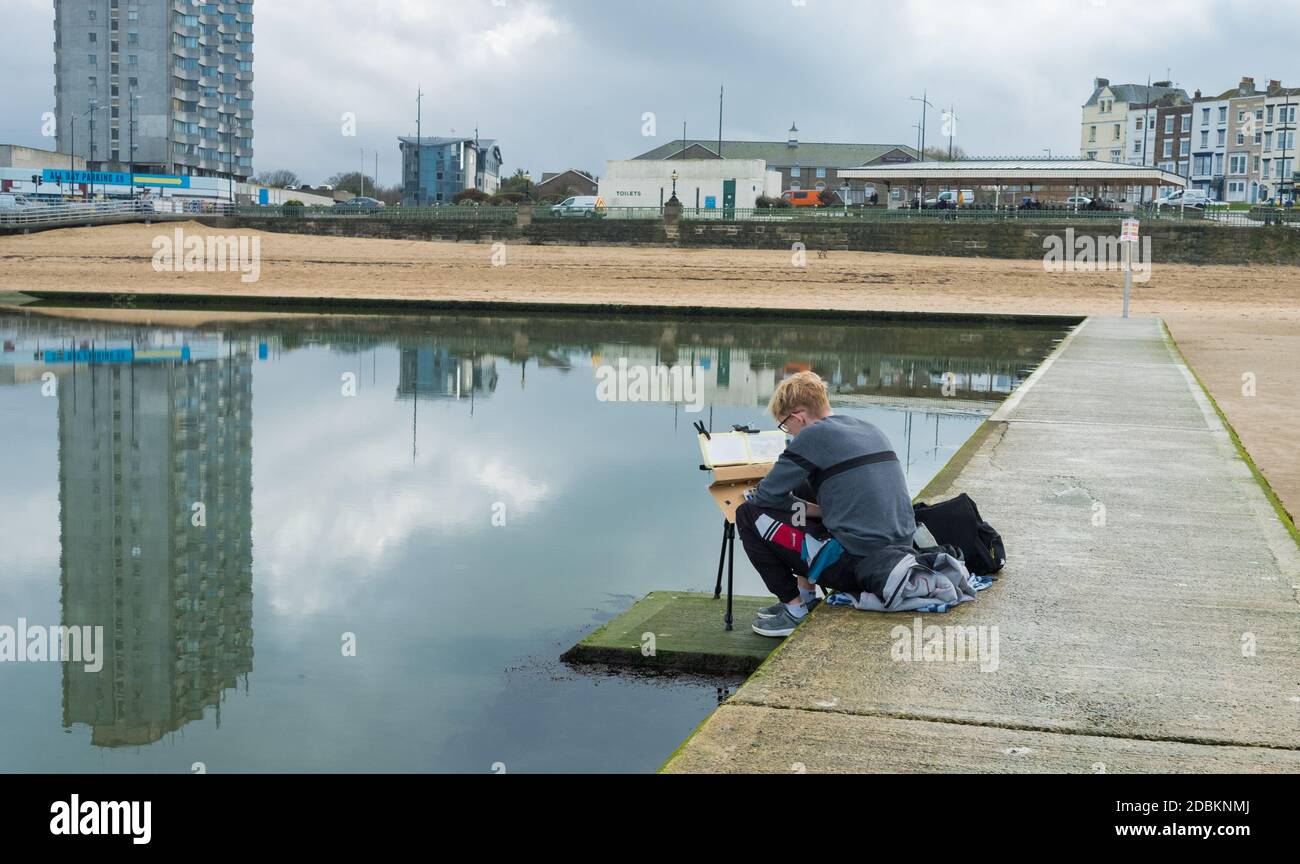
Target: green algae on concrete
689, 635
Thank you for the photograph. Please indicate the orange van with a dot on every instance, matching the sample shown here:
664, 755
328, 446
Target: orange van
803, 197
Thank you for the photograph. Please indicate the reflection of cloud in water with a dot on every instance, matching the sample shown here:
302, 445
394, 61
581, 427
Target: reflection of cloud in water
318, 546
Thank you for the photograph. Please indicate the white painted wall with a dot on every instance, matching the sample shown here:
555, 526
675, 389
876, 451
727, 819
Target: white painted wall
640, 182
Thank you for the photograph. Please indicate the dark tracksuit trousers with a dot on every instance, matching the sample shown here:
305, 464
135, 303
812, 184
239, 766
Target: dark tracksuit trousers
777, 558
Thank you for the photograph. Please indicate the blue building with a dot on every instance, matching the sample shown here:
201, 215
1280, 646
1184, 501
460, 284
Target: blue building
435, 169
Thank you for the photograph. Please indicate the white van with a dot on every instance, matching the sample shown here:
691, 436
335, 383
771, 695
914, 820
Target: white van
580, 205
952, 198
9, 201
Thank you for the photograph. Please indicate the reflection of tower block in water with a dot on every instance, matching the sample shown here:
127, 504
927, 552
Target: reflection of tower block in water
437, 373
139, 445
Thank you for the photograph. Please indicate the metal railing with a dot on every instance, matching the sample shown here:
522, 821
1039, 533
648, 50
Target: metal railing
41, 215
449, 213
505, 214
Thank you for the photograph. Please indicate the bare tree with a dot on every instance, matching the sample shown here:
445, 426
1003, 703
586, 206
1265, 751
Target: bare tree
280, 178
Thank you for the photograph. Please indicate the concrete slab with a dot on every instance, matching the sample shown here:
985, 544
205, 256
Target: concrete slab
740, 739
1150, 593
689, 635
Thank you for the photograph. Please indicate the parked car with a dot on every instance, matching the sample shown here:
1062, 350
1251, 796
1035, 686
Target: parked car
1082, 202
361, 202
803, 197
580, 205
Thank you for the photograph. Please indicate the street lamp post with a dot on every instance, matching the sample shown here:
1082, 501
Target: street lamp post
925, 103
130, 131
90, 151
675, 175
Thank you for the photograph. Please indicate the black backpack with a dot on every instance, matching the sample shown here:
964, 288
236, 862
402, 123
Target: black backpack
956, 522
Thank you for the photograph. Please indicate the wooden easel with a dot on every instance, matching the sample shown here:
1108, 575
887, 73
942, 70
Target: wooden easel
730, 483
729, 486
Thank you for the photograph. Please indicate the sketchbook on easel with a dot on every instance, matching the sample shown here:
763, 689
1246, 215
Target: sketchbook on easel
738, 461
741, 448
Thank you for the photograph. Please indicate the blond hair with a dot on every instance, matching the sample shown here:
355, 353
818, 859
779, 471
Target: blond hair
803, 391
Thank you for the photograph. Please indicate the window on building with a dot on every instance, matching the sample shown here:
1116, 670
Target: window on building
1137, 146
794, 172
1205, 116
1092, 133
93, 36
1223, 113
1270, 115
92, 14
133, 59
1222, 137
1115, 132
1241, 114
1241, 139
1169, 124
821, 172
1169, 148
1205, 137
1218, 163
1139, 123
92, 82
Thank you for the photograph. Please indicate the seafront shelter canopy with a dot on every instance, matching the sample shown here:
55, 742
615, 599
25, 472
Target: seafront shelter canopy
1072, 174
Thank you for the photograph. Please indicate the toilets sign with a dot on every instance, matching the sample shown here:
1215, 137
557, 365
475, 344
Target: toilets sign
1129, 234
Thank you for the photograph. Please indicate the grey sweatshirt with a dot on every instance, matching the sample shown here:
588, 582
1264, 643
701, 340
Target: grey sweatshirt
856, 480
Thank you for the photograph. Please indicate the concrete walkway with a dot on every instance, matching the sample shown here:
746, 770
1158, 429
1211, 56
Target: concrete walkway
1147, 620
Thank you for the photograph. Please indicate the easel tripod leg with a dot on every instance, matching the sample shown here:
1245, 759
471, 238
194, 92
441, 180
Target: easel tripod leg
717, 588
731, 565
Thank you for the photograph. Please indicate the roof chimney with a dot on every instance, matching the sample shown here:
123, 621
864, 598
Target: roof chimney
1274, 85
793, 140
1098, 83
1247, 86
1197, 95
1162, 84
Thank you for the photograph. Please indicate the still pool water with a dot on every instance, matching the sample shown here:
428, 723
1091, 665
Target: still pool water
234, 502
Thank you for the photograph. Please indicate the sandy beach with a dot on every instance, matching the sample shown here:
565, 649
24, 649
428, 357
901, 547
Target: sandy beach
1236, 325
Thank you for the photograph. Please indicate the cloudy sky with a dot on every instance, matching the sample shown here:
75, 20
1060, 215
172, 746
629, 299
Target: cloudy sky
566, 83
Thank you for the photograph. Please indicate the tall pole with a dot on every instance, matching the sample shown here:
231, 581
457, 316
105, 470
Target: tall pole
721, 90
1146, 129
91, 153
363, 172
952, 123
419, 96
130, 132
1282, 175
